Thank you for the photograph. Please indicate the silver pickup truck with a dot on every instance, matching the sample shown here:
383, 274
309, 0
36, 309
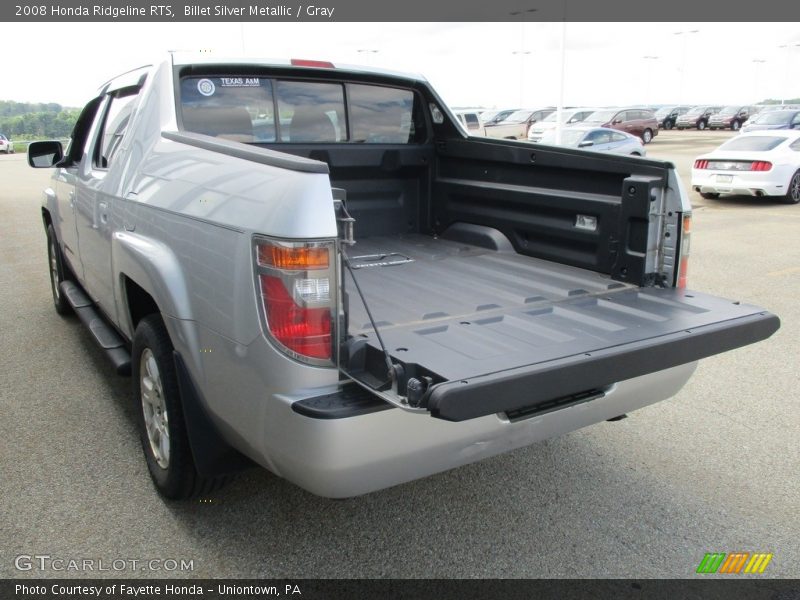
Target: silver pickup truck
315, 269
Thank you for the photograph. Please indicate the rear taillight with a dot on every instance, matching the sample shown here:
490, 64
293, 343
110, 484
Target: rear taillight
760, 165
683, 266
701, 164
297, 286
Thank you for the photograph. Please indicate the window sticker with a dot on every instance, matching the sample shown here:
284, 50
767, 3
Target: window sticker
240, 82
206, 87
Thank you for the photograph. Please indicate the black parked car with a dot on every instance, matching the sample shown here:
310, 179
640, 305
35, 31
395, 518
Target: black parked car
667, 115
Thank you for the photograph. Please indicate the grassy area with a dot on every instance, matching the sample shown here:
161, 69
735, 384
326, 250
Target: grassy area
21, 146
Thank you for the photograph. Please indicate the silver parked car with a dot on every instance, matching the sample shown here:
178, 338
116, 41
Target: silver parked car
599, 139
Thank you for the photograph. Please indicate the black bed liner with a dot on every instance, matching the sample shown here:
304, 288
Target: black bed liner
496, 331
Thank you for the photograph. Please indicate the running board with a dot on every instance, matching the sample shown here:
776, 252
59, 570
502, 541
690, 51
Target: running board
105, 335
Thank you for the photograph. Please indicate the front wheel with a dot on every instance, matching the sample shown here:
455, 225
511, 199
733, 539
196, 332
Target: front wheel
701, 125
793, 193
58, 273
647, 136
668, 125
735, 126
162, 428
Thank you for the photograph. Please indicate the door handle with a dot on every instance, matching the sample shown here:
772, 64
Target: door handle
103, 210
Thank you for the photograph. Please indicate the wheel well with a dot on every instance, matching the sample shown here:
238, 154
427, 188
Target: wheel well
140, 303
46, 218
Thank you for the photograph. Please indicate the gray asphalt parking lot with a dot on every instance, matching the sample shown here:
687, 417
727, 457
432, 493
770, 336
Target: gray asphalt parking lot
714, 469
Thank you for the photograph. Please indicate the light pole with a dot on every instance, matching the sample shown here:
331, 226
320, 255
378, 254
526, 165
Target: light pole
369, 53
786, 78
647, 95
757, 62
686, 33
522, 52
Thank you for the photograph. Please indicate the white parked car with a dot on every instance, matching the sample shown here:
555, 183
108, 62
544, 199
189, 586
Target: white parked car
759, 163
516, 125
6, 145
569, 116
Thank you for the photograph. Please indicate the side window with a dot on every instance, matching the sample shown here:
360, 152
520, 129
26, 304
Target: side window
796, 120
80, 132
618, 137
795, 145
115, 123
599, 137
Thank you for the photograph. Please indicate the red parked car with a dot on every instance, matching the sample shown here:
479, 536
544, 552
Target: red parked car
640, 122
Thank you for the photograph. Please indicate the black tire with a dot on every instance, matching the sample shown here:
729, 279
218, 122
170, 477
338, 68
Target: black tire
701, 125
668, 125
647, 136
735, 125
58, 273
709, 195
793, 192
173, 471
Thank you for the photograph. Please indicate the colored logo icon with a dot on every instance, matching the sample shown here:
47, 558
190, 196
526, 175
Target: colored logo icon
734, 562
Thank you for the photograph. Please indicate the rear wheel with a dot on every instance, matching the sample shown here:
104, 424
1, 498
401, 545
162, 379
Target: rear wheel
647, 136
701, 125
668, 125
709, 195
735, 125
162, 428
58, 272
793, 193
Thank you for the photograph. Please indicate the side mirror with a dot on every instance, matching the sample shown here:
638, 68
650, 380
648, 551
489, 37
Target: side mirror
616, 121
586, 144
43, 155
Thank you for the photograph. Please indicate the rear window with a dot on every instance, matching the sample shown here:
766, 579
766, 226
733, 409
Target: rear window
759, 143
254, 109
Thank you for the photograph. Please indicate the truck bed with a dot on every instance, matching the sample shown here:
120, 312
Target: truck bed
506, 328
448, 280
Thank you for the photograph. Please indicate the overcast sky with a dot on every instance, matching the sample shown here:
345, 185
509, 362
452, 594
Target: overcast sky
470, 64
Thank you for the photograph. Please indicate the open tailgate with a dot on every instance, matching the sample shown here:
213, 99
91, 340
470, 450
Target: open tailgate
502, 361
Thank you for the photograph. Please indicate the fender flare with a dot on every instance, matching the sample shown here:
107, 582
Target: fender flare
154, 267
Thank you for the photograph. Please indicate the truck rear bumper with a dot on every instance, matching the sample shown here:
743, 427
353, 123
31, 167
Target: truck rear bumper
343, 457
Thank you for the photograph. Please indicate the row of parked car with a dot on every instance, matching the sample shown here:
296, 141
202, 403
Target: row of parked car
621, 130
644, 123
735, 117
